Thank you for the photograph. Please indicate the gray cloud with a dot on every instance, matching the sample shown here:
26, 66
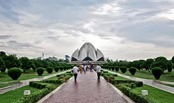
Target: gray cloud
4, 37
51, 26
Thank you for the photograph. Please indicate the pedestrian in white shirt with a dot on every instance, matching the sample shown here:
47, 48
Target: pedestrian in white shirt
84, 68
98, 70
75, 72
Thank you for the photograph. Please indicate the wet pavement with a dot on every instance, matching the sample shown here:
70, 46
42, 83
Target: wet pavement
87, 90
153, 83
26, 82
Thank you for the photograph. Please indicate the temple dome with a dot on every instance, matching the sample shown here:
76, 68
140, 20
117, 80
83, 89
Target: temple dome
87, 53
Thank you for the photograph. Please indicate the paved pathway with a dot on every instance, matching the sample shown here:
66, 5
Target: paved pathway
86, 90
26, 82
149, 82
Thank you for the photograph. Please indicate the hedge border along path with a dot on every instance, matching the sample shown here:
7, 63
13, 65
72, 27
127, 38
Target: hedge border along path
50, 94
155, 95
97, 92
147, 82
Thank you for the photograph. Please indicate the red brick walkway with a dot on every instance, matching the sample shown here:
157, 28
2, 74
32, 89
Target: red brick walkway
86, 90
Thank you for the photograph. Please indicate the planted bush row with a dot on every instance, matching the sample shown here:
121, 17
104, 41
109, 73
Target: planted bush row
156, 71
15, 73
45, 86
132, 95
126, 87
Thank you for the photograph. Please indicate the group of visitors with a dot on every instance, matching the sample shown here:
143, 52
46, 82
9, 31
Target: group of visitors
84, 68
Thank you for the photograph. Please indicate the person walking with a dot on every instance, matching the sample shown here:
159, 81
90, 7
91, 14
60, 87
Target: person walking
98, 70
80, 69
84, 68
75, 72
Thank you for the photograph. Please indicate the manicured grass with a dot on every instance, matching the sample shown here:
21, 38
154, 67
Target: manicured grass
14, 95
120, 78
170, 85
147, 75
157, 95
28, 75
7, 84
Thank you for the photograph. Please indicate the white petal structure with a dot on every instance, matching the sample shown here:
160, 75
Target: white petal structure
87, 53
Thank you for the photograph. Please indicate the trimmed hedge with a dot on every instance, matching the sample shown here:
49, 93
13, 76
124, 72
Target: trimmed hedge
123, 69
40, 71
38, 85
132, 70
134, 96
116, 68
126, 87
45, 86
34, 97
14, 73
56, 69
157, 72
49, 70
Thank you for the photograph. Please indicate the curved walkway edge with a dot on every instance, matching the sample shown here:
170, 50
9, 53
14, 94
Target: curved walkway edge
152, 83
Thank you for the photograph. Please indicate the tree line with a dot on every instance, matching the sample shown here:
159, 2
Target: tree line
10, 61
147, 64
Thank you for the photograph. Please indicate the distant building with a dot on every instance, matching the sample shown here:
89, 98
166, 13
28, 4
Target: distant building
87, 53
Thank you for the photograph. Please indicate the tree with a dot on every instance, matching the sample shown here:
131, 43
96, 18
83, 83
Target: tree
161, 64
148, 63
141, 64
12, 61
169, 66
157, 72
25, 63
2, 65
172, 59
161, 58
2, 53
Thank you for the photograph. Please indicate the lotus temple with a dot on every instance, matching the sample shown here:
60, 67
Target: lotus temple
87, 54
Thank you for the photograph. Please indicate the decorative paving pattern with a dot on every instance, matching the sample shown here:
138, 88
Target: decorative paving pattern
86, 90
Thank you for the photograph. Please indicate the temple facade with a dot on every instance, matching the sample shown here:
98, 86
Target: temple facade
87, 53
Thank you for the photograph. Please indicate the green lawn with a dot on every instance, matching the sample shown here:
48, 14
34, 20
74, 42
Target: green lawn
157, 95
170, 85
147, 75
120, 78
28, 75
14, 95
7, 84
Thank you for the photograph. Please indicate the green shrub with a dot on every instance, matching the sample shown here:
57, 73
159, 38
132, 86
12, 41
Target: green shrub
112, 68
123, 81
61, 68
105, 71
139, 84
15, 73
132, 95
40, 71
3, 70
123, 69
157, 71
132, 70
49, 70
56, 69
116, 68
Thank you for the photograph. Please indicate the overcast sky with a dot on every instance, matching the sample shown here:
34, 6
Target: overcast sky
121, 29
